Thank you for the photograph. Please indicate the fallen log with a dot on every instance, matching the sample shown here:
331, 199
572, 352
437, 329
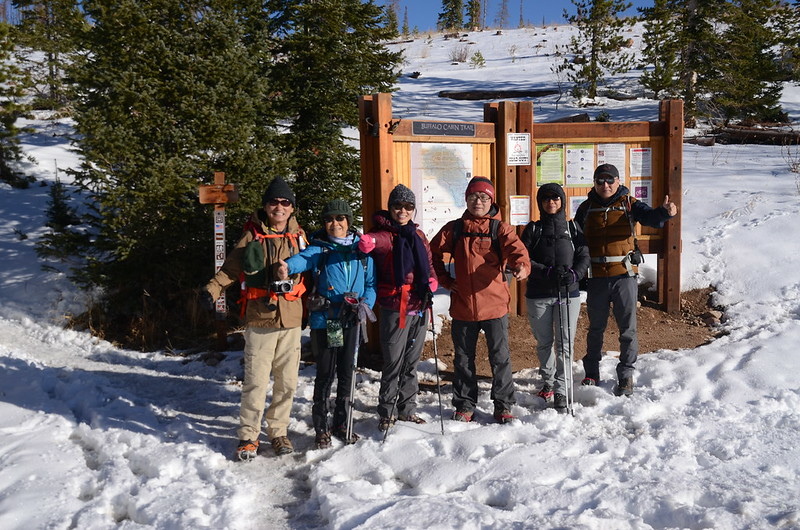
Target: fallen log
751, 135
475, 95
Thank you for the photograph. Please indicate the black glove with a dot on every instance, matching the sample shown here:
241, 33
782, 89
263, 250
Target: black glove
206, 301
567, 277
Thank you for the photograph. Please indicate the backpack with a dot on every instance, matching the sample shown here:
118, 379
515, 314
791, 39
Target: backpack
537, 233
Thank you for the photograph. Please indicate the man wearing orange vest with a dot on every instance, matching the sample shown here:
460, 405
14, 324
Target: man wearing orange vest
273, 315
607, 219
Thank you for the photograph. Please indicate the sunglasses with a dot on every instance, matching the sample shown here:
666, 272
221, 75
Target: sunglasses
282, 202
407, 206
339, 218
554, 198
604, 180
474, 197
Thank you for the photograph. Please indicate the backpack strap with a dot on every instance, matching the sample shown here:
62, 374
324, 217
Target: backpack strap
537, 233
494, 227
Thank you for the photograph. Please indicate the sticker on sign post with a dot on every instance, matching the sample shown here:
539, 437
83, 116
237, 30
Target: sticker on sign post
518, 149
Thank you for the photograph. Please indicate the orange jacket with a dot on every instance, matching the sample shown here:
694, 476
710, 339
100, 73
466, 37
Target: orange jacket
479, 290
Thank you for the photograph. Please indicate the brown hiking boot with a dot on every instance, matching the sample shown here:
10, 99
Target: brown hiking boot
322, 440
413, 418
384, 424
341, 433
463, 415
281, 445
502, 415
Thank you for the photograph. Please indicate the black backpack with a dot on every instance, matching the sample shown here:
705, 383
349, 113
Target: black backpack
537, 233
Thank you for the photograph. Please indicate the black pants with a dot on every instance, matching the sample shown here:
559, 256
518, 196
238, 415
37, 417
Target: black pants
332, 363
465, 382
401, 348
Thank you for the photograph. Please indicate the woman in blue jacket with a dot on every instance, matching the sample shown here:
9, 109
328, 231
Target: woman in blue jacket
344, 279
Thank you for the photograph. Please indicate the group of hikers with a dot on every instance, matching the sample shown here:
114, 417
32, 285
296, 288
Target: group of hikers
395, 266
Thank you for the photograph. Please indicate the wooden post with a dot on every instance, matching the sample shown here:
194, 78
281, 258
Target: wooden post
525, 184
671, 112
505, 175
219, 194
377, 178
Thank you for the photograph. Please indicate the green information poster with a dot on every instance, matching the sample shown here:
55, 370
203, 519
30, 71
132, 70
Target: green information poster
549, 164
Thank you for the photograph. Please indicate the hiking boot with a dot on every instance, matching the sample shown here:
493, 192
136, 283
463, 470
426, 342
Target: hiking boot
624, 387
281, 445
463, 415
322, 440
341, 433
384, 424
588, 381
546, 393
246, 450
502, 415
560, 403
413, 418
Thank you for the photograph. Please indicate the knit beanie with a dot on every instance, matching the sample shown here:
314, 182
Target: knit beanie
278, 189
338, 207
401, 193
480, 185
607, 170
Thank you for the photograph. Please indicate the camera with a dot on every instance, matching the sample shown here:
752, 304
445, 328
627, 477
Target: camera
636, 257
282, 286
317, 302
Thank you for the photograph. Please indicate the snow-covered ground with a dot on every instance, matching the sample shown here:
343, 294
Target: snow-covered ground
93, 436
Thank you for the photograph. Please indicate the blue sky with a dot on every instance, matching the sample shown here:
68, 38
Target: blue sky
424, 13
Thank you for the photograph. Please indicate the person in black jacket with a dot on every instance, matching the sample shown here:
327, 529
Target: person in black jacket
559, 260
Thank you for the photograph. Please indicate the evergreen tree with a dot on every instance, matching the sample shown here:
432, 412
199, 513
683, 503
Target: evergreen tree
474, 14
392, 16
65, 241
332, 53
451, 17
598, 47
48, 31
748, 81
787, 24
170, 93
406, 30
501, 20
659, 50
12, 88
698, 44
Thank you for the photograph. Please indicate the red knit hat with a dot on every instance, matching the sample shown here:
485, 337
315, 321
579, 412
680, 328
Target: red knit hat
480, 185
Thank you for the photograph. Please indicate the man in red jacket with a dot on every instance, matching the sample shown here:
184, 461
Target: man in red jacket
479, 295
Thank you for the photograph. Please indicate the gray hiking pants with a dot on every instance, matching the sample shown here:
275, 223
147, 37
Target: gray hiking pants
465, 382
545, 317
601, 294
401, 350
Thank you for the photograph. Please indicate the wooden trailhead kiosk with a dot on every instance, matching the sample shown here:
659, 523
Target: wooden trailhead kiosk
436, 159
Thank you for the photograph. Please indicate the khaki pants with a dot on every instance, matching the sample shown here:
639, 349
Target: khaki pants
275, 350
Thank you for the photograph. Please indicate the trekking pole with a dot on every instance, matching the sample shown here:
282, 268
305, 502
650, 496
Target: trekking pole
436, 360
570, 384
349, 428
563, 355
